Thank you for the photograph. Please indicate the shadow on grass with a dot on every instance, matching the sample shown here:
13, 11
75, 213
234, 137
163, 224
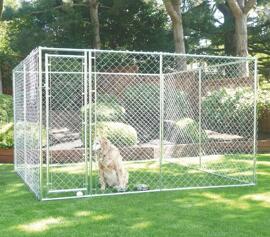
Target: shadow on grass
243, 211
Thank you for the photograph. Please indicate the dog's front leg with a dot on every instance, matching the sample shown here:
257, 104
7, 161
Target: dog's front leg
102, 178
119, 173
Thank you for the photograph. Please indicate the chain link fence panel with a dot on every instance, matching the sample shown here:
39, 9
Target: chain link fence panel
169, 122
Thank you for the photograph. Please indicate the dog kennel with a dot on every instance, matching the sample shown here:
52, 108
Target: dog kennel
178, 121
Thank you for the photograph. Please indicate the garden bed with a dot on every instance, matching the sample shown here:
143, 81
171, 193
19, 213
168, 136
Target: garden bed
151, 150
6, 155
264, 146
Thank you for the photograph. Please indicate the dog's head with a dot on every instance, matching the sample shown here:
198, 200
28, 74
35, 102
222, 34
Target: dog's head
96, 145
101, 145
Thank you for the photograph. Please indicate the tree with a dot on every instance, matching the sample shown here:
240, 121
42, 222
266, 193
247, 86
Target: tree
203, 38
93, 8
240, 10
228, 29
1, 80
134, 25
259, 38
1, 7
67, 24
173, 8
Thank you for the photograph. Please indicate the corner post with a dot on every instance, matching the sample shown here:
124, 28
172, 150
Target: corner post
85, 119
47, 119
40, 86
161, 130
89, 125
14, 117
255, 120
24, 124
200, 117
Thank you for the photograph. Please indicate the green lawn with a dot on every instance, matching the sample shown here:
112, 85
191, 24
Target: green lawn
215, 170
229, 212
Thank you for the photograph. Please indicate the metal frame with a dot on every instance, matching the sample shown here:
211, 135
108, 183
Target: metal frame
255, 120
200, 116
161, 117
97, 67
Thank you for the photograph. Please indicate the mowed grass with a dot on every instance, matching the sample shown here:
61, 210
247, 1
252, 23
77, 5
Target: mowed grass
220, 212
175, 173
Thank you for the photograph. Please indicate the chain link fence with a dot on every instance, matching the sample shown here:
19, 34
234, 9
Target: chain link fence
167, 121
27, 114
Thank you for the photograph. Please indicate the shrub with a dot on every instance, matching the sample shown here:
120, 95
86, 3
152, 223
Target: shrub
6, 116
107, 109
109, 116
6, 136
264, 98
30, 130
118, 133
229, 110
142, 104
66, 92
186, 130
6, 109
176, 104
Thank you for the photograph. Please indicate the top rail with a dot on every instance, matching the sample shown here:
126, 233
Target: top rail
147, 53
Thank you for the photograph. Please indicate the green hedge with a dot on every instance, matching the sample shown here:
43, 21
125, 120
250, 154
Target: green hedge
66, 91
142, 104
118, 133
6, 135
229, 110
264, 98
28, 130
6, 108
107, 109
110, 117
176, 104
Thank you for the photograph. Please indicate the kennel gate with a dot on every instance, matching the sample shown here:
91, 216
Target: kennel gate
161, 110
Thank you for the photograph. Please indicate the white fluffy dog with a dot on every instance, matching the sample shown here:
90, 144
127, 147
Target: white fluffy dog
111, 168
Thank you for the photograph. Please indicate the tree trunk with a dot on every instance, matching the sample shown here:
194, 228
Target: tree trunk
242, 43
240, 9
178, 31
228, 29
178, 35
241, 35
173, 8
1, 7
93, 7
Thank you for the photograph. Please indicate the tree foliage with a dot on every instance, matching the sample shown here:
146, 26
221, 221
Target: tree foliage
133, 25
127, 24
